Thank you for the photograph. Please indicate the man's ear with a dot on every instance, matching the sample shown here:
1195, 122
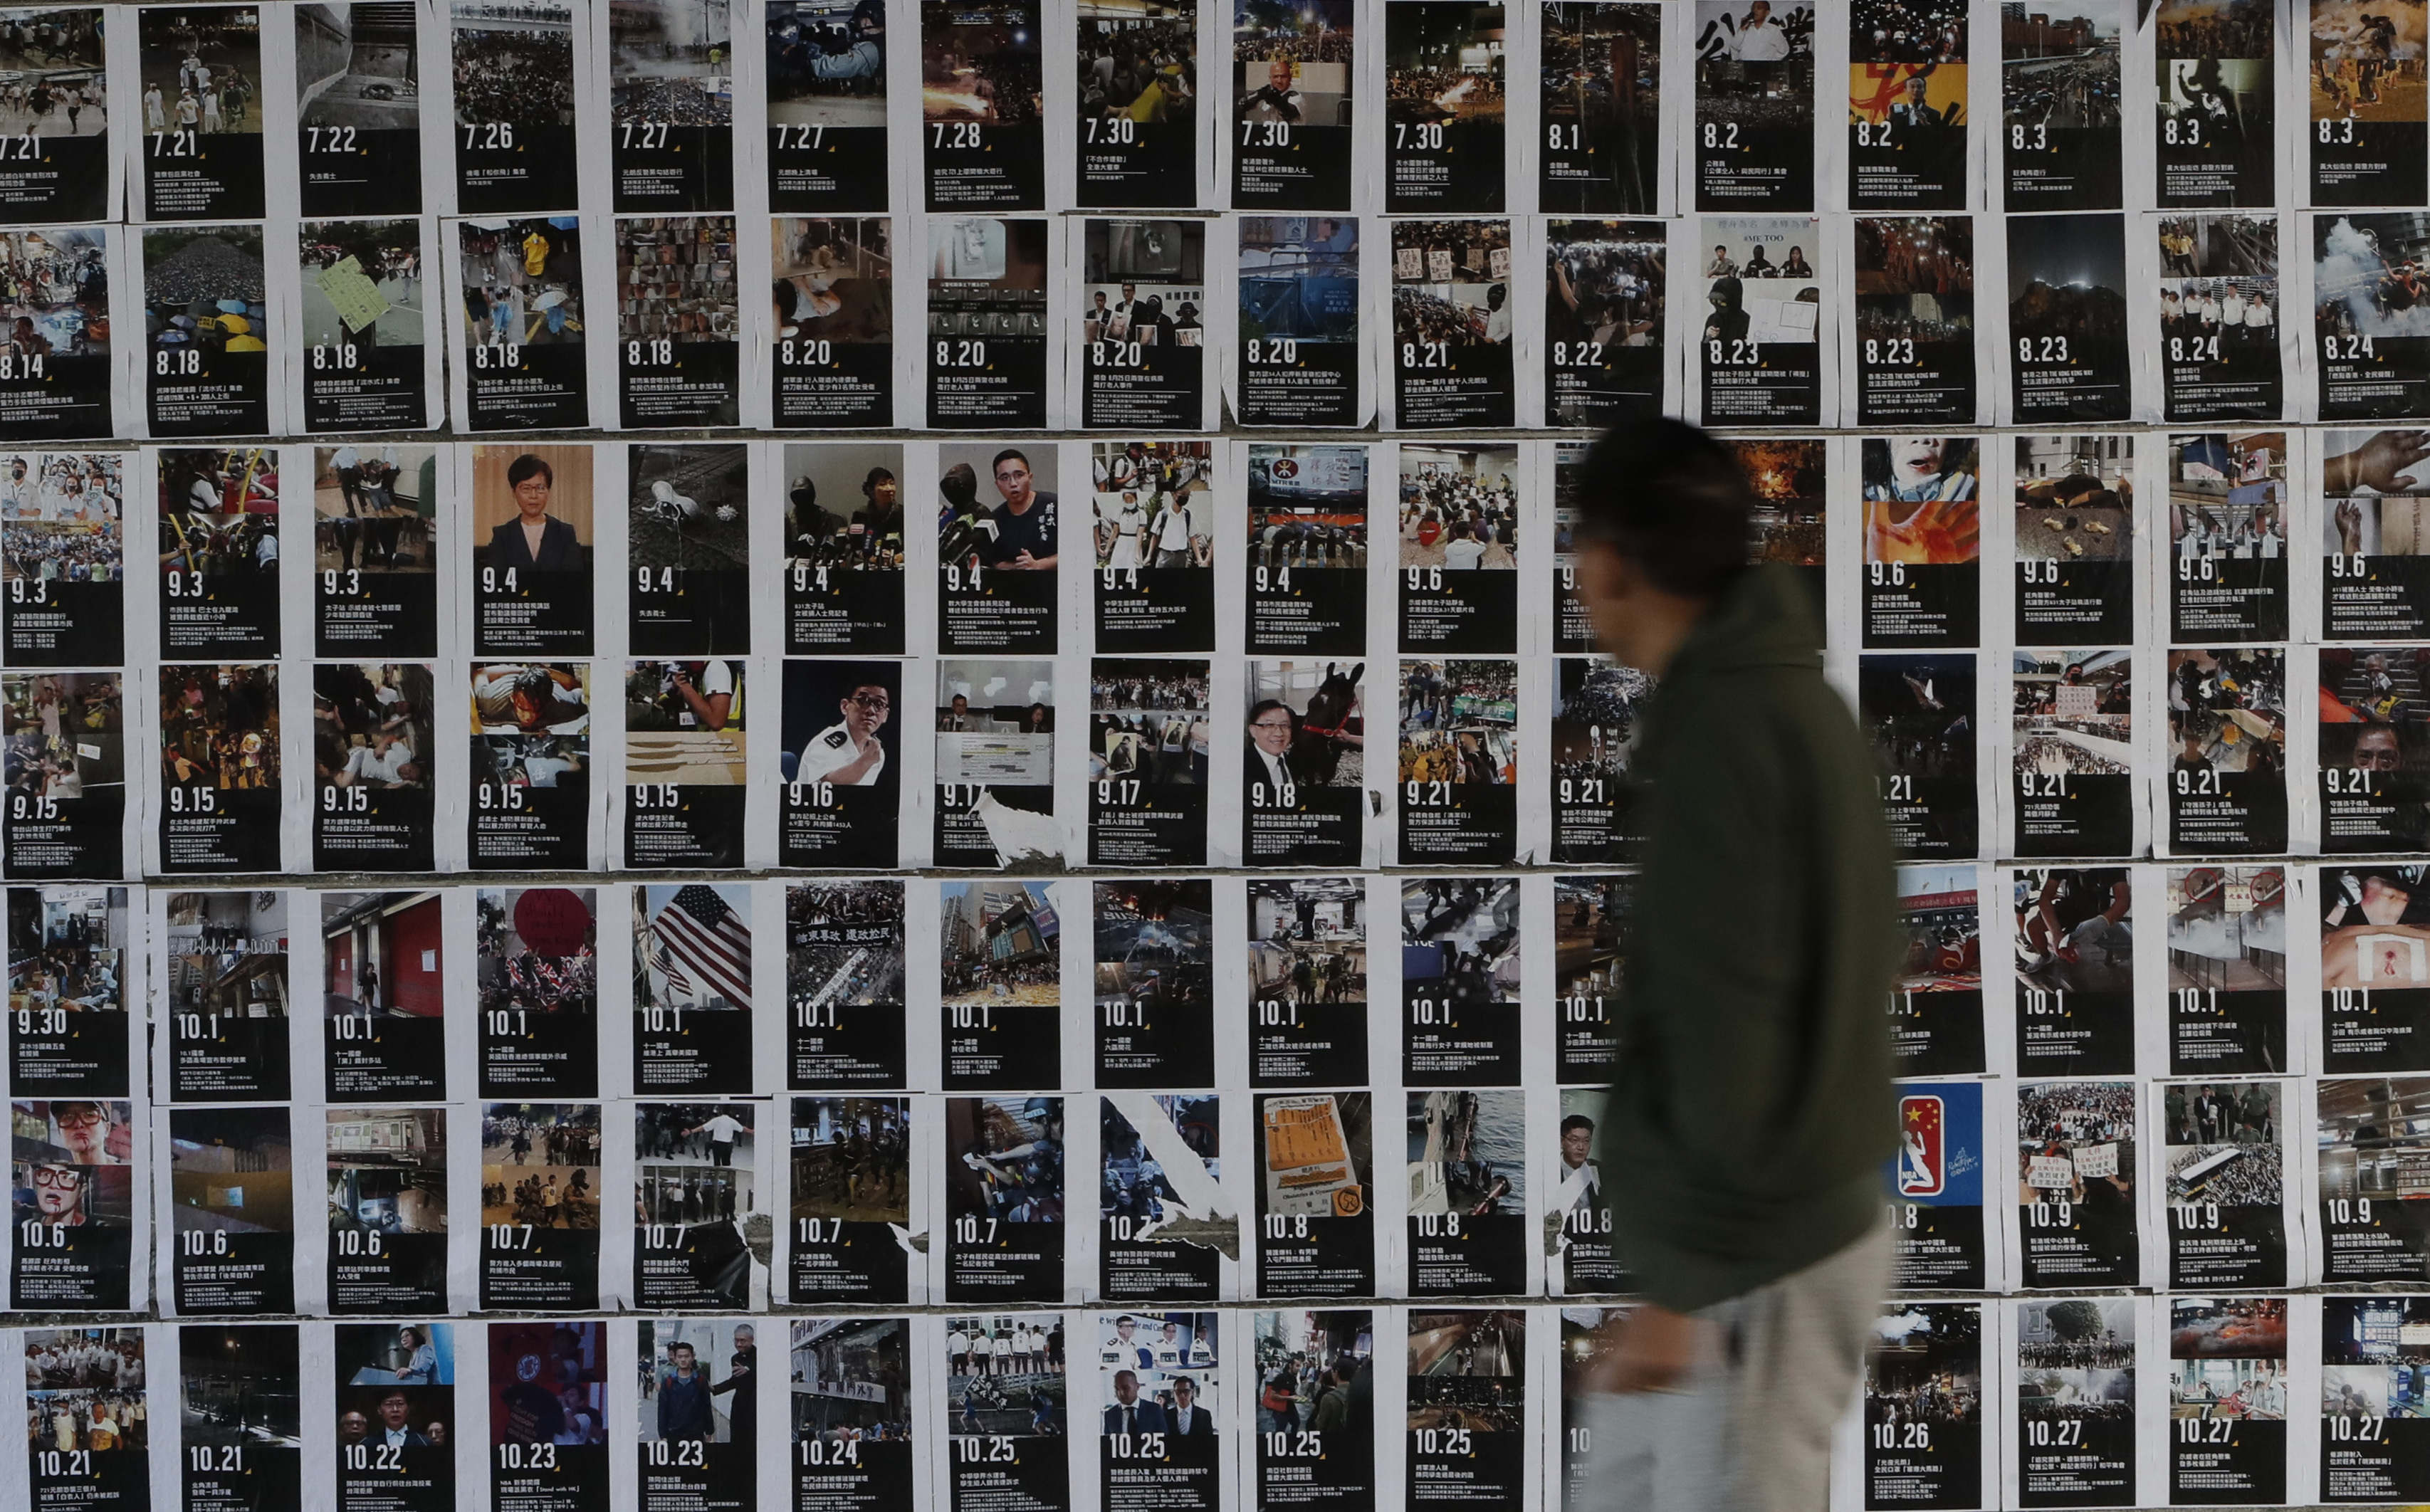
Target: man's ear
1605, 572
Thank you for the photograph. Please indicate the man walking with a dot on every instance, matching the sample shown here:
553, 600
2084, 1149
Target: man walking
1743, 1146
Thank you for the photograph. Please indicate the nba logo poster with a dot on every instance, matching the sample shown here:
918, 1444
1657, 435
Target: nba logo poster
1934, 1185
1924, 1147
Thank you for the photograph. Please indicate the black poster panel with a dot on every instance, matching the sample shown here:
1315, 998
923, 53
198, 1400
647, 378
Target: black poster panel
841, 792
203, 87
1909, 137
989, 363
1468, 1426
1307, 970
844, 1025
2073, 577
364, 301
850, 1184
983, 139
2227, 971
2220, 1347
1755, 124
1601, 107
234, 1247
2365, 1457
832, 364
2061, 142
206, 363
1604, 351
56, 377
2226, 783
2220, 313
2214, 128
1443, 106
239, 1414
1137, 138
2068, 350
228, 996
549, 1381
1000, 968
1921, 708
528, 768
537, 970
541, 1204
59, 170
1296, 72
1005, 1222
515, 118
1299, 322
1315, 1227
1924, 1433
2076, 1221
1915, 320
65, 815
844, 529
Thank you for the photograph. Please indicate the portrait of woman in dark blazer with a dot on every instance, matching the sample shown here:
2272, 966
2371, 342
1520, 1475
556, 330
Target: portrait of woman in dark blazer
534, 539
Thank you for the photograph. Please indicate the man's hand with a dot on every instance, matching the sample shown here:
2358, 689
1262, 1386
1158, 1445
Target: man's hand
1654, 1348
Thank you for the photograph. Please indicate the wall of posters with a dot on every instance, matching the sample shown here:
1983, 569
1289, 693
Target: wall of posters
623, 822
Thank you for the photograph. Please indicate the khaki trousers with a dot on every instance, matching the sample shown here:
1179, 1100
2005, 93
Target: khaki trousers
1749, 1429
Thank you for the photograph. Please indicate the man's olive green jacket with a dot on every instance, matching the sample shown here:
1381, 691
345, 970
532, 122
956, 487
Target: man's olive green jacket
1752, 1109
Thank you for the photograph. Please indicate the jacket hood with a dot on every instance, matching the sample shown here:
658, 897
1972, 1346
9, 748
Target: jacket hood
1765, 619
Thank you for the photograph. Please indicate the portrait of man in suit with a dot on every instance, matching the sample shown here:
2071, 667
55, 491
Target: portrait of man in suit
1129, 1412
1190, 1418
1267, 762
396, 1428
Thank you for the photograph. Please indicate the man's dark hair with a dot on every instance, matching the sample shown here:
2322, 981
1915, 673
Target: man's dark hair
1577, 1121
1267, 706
1345, 1369
1667, 495
1008, 452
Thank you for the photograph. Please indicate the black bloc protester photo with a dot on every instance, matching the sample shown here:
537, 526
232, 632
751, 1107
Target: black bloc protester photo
1606, 348
1761, 350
